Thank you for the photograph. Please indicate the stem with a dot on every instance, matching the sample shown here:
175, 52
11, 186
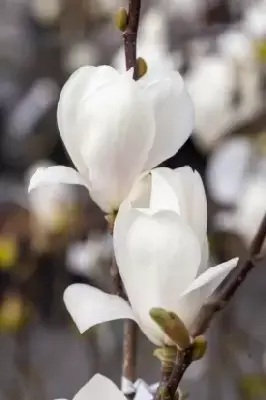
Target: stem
130, 35
219, 300
130, 328
129, 350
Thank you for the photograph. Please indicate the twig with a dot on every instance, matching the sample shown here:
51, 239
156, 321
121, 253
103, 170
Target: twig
130, 34
129, 350
130, 328
219, 300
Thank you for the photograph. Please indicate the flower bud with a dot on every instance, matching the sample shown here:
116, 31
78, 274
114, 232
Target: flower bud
121, 19
166, 355
172, 326
142, 67
199, 347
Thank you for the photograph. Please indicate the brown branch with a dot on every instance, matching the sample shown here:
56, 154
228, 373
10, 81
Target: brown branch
130, 328
130, 35
129, 350
218, 301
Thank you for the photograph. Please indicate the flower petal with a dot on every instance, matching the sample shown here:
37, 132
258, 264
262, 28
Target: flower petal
157, 256
204, 264
118, 130
99, 388
201, 288
89, 306
181, 190
80, 86
174, 116
52, 175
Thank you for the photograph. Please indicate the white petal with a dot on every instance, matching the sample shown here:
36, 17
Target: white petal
99, 388
79, 87
198, 292
181, 190
53, 175
204, 264
118, 130
174, 116
89, 306
157, 256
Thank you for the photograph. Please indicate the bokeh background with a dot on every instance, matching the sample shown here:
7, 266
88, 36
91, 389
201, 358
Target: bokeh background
58, 236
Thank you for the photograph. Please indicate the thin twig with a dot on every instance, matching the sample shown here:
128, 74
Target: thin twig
130, 34
218, 301
130, 44
129, 350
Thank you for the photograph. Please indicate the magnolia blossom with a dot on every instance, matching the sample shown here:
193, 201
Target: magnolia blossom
161, 250
99, 388
51, 205
250, 209
225, 177
114, 128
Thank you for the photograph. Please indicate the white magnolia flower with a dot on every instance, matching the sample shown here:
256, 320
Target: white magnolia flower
250, 210
50, 205
225, 177
114, 128
210, 84
162, 254
99, 388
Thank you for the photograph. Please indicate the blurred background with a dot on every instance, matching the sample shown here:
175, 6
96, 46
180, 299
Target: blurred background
53, 238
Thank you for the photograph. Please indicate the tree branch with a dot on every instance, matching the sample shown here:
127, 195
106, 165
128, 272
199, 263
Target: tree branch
218, 301
130, 35
130, 43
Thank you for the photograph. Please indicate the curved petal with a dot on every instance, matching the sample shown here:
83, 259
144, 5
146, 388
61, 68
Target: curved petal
201, 288
89, 306
79, 87
174, 116
118, 130
52, 175
158, 256
181, 190
99, 388
204, 264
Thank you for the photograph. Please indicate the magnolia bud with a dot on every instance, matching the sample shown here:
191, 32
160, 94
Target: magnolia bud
121, 19
142, 67
166, 355
172, 326
199, 347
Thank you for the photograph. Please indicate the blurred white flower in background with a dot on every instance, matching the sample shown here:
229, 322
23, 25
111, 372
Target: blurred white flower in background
246, 219
226, 177
161, 250
190, 10
210, 84
236, 176
254, 21
45, 11
105, 6
79, 55
115, 128
99, 388
85, 258
215, 80
51, 204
